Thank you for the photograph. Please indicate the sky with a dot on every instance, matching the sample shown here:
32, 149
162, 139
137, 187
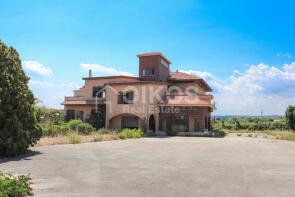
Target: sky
244, 49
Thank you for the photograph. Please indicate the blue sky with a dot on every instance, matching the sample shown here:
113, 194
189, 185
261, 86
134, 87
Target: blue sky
244, 49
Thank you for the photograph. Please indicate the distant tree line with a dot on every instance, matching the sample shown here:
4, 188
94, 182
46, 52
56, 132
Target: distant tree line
258, 124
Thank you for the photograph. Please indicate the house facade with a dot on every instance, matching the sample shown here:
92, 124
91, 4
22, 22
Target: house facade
158, 99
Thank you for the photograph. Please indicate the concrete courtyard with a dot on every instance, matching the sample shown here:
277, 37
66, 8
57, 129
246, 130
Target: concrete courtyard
176, 166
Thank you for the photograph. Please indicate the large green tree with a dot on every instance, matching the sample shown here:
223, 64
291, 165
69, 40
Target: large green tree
290, 117
18, 124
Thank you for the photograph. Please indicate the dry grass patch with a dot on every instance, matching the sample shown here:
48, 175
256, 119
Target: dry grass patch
44, 141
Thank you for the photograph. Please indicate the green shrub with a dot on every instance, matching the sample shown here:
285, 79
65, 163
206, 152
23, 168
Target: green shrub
14, 186
290, 117
103, 131
218, 133
74, 138
130, 133
85, 128
55, 130
122, 135
80, 127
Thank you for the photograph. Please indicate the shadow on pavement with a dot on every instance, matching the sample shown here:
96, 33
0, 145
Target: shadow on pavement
26, 156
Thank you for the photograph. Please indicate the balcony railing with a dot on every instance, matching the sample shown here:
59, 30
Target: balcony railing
81, 100
187, 100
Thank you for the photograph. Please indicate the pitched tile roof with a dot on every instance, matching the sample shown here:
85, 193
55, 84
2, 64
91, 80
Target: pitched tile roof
182, 76
185, 77
155, 54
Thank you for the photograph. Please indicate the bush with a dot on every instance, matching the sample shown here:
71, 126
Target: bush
14, 185
218, 133
130, 133
55, 130
80, 127
103, 131
97, 118
74, 138
19, 127
122, 135
290, 117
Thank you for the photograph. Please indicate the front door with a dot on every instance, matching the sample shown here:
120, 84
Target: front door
152, 125
196, 124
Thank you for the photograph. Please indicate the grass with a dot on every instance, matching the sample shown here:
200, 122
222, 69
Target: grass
106, 137
277, 134
65, 139
74, 138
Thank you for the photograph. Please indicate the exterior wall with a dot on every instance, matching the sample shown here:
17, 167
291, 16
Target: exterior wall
86, 90
183, 86
116, 122
144, 100
85, 108
192, 114
161, 72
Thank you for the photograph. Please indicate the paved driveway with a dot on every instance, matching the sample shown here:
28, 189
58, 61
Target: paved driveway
177, 166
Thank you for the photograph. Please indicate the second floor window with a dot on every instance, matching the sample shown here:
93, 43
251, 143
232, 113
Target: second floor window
125, 98
98, 92
148, 72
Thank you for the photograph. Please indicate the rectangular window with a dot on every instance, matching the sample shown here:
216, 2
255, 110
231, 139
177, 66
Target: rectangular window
98, 91
164, 63
148, 72
80, 115
70, 114
125, 98
177, 123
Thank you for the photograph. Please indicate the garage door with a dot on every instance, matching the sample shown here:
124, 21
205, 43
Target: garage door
130, 122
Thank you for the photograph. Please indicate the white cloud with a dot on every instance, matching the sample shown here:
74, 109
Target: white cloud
287, 55
46, 84
205, 75
259, 87
103, 70
37, 67
52, 93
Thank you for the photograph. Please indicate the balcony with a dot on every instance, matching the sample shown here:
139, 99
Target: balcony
79, 100
187, 100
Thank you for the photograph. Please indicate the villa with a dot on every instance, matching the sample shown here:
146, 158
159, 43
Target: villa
158, 99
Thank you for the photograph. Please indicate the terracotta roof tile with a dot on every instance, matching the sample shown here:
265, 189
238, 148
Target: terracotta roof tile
182, 76
154, 54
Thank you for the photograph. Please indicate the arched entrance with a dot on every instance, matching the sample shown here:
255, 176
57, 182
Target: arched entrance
152, 125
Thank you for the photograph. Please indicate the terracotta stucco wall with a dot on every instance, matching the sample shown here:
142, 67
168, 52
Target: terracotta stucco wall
86, 91
144, 100
85, 108
183, 86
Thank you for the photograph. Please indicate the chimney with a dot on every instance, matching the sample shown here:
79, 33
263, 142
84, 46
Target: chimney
90, 73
